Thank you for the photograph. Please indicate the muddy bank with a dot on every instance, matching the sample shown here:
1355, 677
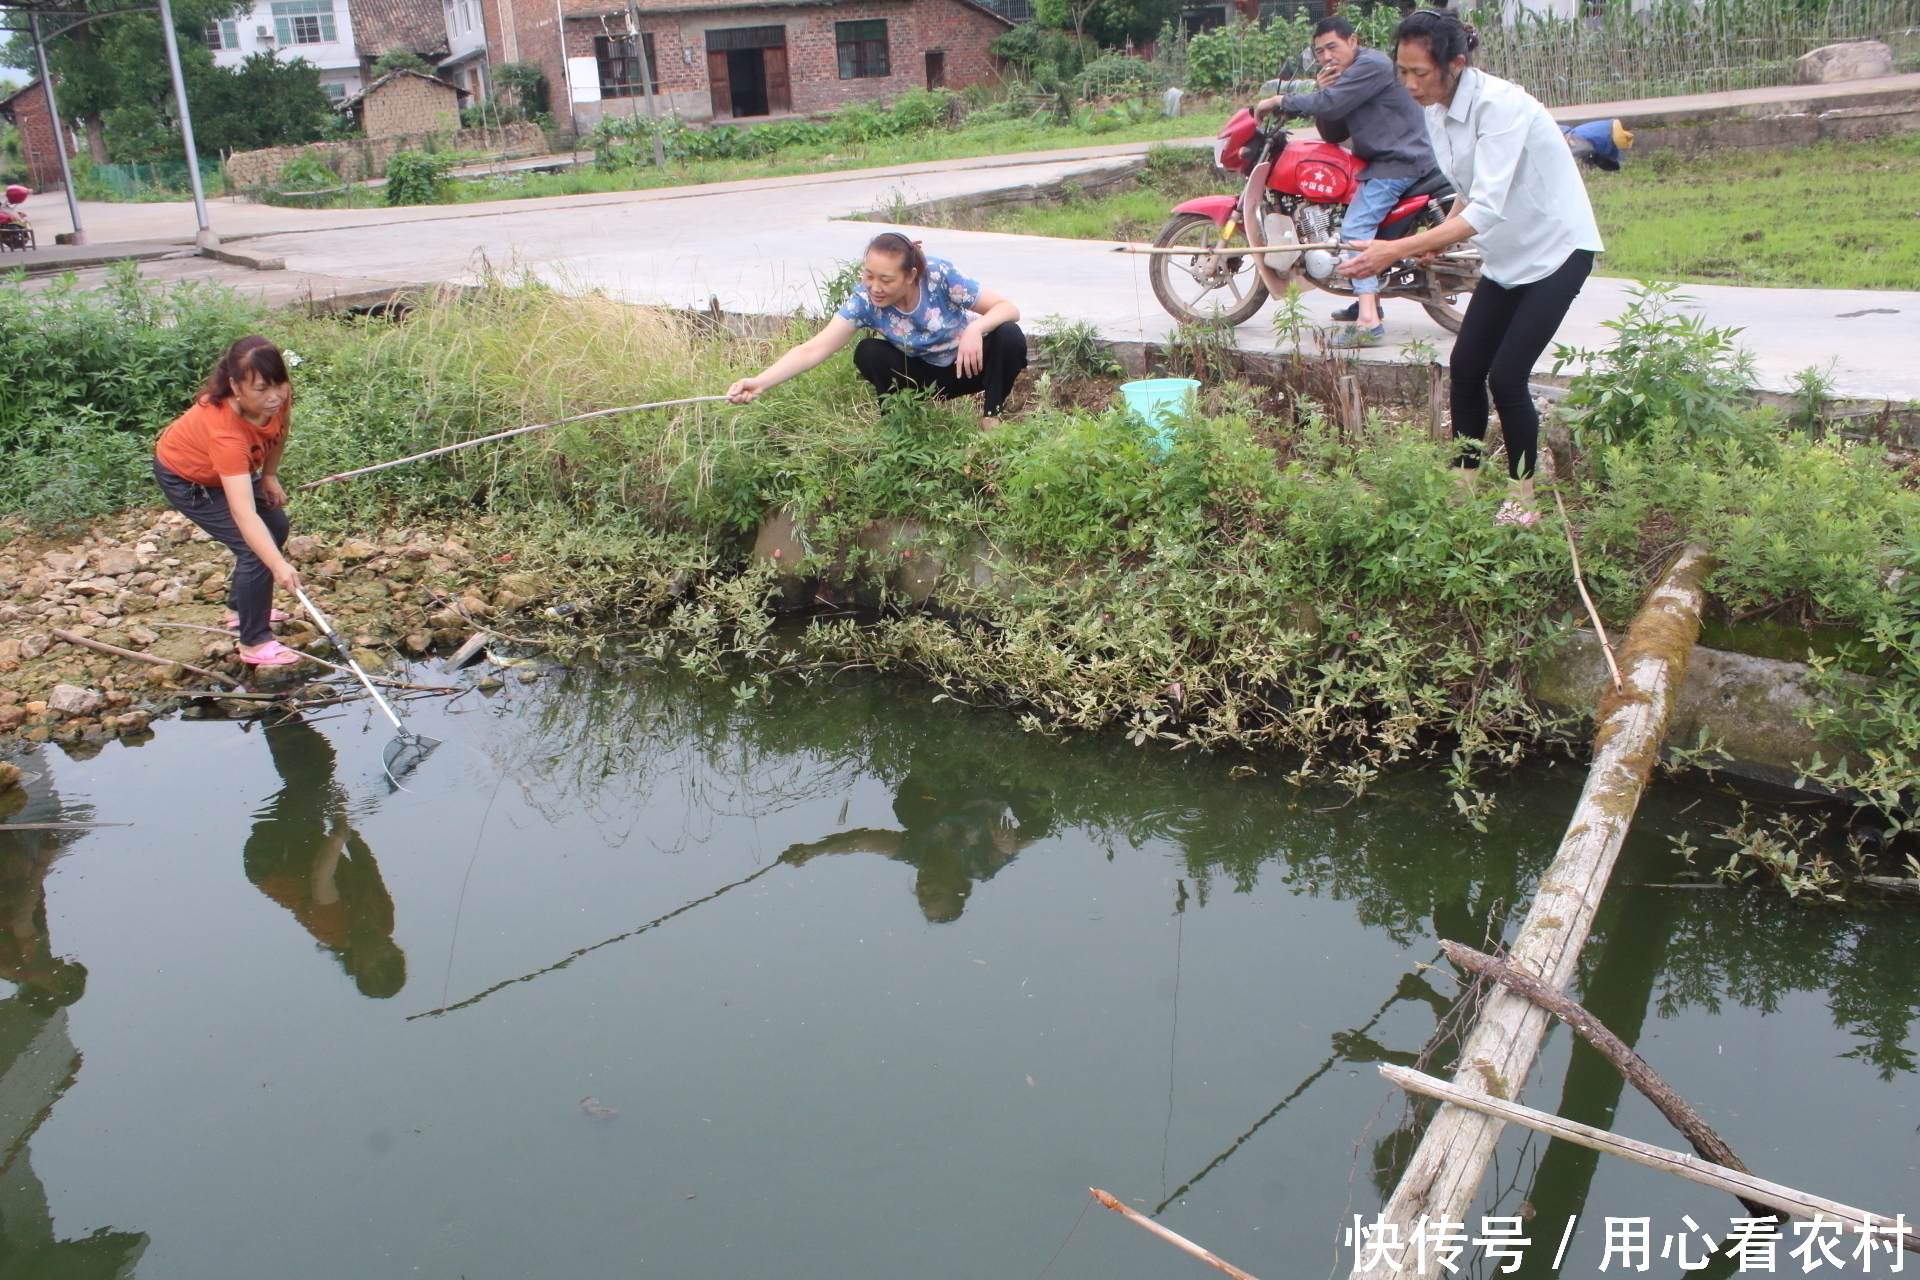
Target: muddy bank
151, 582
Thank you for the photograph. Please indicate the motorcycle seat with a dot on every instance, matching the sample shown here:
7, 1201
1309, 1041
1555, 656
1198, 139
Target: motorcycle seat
1433, 184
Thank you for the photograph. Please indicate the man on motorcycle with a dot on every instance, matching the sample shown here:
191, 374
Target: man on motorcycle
1361, 102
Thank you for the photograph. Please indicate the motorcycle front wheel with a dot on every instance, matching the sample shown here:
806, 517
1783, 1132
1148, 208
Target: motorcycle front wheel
1202, 287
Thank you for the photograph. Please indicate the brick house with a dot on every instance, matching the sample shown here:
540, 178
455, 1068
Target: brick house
27, 109
746, 60
405, 102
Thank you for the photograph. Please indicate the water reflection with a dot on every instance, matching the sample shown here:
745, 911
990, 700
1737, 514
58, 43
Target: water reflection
971, 789
959, 828
305, 854
38, 1062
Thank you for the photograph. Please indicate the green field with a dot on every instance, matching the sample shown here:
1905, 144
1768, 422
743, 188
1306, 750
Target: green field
1834, 216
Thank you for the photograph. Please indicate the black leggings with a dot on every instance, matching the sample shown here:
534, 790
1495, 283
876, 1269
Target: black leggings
1505, 331
250, 592
1003, 352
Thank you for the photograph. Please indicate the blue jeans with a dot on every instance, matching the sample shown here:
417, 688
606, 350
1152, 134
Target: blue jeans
1375, 201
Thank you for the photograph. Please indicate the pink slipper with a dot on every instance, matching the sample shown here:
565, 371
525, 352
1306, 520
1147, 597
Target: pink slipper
270, 654
1514, 513
233, 624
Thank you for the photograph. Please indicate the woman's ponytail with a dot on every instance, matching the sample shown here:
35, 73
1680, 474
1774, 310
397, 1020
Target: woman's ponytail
913, 262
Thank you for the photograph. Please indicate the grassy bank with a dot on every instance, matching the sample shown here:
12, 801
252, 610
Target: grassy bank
1268, 583
919, 128
1833, 216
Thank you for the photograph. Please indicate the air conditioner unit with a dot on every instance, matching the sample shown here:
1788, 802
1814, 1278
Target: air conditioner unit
265, 33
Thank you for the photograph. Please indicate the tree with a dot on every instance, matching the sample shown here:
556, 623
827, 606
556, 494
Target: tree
113, 75
1066, 13
401, 60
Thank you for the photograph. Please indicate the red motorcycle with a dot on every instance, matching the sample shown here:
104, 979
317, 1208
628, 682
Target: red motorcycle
1295, 193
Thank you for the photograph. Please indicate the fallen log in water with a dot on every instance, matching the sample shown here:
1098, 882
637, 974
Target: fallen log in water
1446, 1169
1773, 1195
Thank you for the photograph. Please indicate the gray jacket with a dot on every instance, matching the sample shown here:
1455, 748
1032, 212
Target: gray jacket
1369, 106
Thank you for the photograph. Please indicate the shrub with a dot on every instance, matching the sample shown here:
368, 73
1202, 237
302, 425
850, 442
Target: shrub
414, 177
1662, 367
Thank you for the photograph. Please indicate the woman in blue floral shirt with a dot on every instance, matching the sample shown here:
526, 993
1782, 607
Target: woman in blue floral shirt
937, 330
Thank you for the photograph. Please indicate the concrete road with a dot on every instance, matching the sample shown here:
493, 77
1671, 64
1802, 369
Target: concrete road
763, 246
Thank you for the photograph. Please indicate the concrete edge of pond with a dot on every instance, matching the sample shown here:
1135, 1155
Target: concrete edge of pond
1754, 709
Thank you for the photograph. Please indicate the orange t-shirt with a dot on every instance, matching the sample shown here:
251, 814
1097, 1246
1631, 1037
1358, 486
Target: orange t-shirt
209, 441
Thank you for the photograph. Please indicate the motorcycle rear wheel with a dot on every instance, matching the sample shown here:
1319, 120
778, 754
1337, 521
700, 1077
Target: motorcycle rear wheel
1178, 284
1445, 314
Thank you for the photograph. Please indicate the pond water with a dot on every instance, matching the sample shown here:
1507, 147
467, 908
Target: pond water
630, 981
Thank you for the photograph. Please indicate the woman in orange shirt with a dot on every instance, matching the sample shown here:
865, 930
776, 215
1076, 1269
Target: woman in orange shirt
218, 464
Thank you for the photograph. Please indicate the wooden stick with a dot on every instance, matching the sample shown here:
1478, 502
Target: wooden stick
503, 435
465, 653
1776, 1197
1444, 1175
1178, 1241
318, 660
1580, 581
1229, 251
1256, 250
1629, 1064
118, 652
58, 826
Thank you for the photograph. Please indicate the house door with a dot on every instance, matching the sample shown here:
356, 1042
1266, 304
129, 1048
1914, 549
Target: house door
747, 77
779, 91
936, 69
747, 71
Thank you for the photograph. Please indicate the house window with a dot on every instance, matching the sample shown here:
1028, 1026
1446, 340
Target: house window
334, 92
620, 68
863, 48
223, 35
303, 21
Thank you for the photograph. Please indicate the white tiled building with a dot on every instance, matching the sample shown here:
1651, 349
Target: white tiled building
466, 64
321, 31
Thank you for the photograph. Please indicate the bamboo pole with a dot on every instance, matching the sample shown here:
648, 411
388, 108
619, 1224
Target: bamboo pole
1708, 1144
1798, 1204
99, 646
1258, 250
1580, 581
503, 435
58, 826
1446, 1170
1177, 1240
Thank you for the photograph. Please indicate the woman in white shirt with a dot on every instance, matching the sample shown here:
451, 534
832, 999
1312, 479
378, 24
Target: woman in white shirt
1523, 205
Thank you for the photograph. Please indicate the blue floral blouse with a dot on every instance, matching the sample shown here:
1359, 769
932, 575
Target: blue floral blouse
932, 329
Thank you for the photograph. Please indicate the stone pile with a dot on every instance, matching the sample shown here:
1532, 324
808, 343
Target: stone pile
153, 583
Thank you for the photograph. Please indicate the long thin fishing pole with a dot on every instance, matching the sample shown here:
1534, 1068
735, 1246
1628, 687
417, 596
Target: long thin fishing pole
504, 435
575, 955
1580, 581
1337, 1056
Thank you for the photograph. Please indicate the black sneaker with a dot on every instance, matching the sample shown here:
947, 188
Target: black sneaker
1347, 315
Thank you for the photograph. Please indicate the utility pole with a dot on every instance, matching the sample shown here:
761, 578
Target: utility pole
647, 69
206, 239
59, 130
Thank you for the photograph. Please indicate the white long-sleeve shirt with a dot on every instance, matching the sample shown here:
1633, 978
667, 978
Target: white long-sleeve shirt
1520, 185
